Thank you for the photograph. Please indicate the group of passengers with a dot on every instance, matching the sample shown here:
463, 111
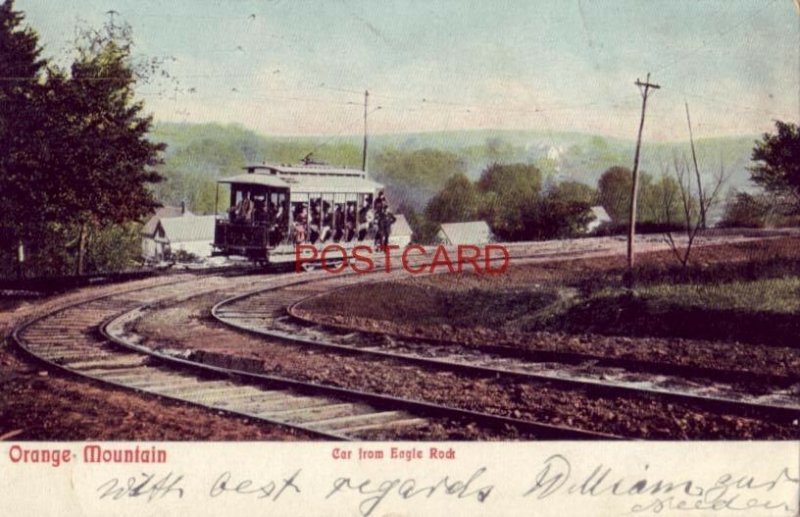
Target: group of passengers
342, 222
320, 222
257, 209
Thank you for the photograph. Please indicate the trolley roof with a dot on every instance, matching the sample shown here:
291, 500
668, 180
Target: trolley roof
304, 169
256, 179
306, 179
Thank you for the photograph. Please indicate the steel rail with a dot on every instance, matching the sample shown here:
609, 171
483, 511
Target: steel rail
380, 401
710, 403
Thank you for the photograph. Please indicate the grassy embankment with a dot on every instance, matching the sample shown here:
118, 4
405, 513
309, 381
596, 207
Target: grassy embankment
753, 301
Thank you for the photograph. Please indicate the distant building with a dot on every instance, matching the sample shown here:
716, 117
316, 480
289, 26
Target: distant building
473, 232
401, 232
601, 217
174, 229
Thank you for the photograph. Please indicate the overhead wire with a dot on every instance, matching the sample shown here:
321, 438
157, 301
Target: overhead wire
417, 103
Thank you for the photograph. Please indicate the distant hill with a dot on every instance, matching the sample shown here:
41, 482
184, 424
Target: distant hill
199, 154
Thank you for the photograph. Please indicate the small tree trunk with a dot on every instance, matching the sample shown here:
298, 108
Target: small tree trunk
81, 250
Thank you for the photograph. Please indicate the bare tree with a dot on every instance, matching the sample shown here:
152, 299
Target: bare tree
668, 197
694, 207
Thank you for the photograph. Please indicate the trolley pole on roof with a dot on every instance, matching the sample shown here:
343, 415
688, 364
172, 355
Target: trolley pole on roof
364, 154
644, 87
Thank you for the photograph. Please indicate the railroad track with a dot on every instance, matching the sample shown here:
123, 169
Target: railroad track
269, 313
80, 339
75, 339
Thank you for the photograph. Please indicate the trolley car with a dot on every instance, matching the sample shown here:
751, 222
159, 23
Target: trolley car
273, 208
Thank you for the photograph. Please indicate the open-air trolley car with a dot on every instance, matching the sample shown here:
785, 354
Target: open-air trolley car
273, 208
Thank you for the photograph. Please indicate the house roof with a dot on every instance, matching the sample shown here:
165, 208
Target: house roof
600, 214
401, 226
472, 232
188, 229
150, 226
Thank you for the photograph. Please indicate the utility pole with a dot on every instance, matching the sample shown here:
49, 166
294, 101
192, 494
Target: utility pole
644, 87
696, 172
364, 155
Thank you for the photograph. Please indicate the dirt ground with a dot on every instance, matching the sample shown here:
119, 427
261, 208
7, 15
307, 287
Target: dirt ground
56, 407
189, 326
404, 309
38, 405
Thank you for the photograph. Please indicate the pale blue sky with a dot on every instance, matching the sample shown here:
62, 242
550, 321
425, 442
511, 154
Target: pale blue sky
299, 67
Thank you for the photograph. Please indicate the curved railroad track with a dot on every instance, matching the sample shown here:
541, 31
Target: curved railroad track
264, 312
89, 339
268, 312
74, 339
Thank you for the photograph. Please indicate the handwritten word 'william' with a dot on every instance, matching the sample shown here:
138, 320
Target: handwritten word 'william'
728, 492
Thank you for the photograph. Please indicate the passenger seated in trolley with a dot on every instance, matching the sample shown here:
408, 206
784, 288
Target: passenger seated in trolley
313, 225
338, 222
350, 224
276, 217
327, 222
365, 217
300, 222
321, 220
320, 228
259, 209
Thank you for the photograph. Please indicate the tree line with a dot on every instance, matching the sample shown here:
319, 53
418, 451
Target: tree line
776, 173
520, 203
76, 161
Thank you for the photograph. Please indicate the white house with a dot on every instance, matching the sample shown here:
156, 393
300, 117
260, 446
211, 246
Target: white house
173, 229
153, 239
601, 217
473, 232
401, 232
192, 234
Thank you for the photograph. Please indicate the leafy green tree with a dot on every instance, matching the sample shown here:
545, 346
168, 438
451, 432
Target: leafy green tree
412, 178
456, 202
424, 230
509, 192
558, 215
777, 167
576, 192
497, 150
104, 153
614, 193
660, 201
745, 210
23, 122
426, 168
115, 247
75, 152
